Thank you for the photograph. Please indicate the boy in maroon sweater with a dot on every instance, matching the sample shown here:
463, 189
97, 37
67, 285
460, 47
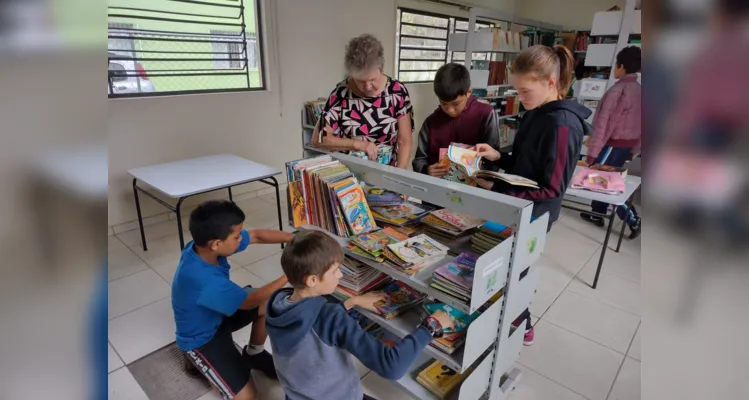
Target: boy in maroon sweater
460, 118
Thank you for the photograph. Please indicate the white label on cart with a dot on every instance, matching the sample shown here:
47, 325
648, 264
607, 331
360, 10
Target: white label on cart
405, 184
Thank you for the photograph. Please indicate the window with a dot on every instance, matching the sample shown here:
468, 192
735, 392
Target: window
422, 43
160, 47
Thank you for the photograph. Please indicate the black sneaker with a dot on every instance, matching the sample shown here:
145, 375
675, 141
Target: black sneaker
262, 362
635, 229
593, 219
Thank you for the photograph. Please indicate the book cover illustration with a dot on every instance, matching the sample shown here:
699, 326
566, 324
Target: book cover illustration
404, 210
440, 379
355, 209
460, 319
375, 242
296, 201
459, 271
418, 249
381, 197
454, 173
469, 163
399, 298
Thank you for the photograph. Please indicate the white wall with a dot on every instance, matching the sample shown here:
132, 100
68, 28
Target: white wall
570, 14
261, 126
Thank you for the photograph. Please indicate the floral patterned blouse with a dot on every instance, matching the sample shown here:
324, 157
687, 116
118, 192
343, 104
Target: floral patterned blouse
375, 118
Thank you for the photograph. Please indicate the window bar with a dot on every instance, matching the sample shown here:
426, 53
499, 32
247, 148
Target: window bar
187, 21
244, 42
172, 12
205, 3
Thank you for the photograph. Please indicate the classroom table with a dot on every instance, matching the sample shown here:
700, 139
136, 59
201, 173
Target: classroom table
582, 196
186, 178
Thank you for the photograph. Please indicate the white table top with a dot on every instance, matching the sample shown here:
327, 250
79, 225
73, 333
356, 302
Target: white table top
202, 174
631, 183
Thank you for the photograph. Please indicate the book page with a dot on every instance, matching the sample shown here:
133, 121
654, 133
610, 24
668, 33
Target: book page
468, 159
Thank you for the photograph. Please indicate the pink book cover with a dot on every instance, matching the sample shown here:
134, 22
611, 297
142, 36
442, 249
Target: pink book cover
598, 181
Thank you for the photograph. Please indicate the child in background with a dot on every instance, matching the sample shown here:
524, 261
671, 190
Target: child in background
208, 306
548, 140
617, 131
313, 340
460, 118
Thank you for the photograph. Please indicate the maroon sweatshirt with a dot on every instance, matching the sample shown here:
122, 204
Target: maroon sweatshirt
476, 124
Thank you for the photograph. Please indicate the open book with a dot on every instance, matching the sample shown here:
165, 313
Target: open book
469, 163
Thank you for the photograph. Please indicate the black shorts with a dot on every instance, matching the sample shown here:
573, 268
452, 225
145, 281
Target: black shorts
220, 361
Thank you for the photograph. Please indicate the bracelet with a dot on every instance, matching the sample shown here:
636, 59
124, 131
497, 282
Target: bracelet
434, 327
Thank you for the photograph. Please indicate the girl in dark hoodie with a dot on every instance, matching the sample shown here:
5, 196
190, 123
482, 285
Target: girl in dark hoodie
548, 140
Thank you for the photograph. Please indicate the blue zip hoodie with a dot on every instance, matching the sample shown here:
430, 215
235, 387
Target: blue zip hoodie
311, 341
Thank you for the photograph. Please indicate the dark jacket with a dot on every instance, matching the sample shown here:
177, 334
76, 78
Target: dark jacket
476, 124
546, 150
313, 340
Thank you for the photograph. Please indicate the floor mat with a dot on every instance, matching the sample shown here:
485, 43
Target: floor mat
161, 375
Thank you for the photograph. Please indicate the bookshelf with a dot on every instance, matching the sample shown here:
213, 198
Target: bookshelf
308, 130
484, 42
491, 346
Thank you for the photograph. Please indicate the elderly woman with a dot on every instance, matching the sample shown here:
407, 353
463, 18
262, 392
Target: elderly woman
368, 108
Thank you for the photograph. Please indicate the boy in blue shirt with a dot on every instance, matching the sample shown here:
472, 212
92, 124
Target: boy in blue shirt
313, 340
208, 306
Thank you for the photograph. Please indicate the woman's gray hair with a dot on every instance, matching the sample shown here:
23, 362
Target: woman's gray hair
364, 52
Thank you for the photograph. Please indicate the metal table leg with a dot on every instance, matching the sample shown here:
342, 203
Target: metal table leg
621, 236
231, 198
605, 246
140, 216
179, 222
278, 206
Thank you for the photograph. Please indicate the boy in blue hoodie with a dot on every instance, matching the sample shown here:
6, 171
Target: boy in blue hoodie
313, 340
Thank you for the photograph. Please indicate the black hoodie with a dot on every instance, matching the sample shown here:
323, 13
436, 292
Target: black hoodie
546, 150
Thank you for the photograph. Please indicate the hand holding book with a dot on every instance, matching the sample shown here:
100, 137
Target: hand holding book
366, 301
445, 322
366, 146
486, 151
438, 169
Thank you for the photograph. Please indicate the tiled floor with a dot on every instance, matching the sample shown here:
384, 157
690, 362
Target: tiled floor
587, 341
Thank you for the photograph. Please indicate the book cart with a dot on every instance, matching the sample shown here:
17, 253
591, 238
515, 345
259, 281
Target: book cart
492, 345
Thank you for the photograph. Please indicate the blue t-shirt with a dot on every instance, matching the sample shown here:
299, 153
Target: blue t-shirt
202, 295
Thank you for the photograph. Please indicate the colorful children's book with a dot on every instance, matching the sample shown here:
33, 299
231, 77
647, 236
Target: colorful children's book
469, 163
460, 319
400, 298
459, 271
455, 174
439, 379
297, 204
377, 197
375, 242
459, 221
598, 181
419, 249
355, 209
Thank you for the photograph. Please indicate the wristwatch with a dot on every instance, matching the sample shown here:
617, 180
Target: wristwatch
434, 326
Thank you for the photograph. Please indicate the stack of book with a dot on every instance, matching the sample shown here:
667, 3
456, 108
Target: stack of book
414, 254
400, 298
439, 379
453, 338
446, 226
401, 214
488, 236
377, 197
456, 277
323, 192
373, 244
357, 279
384, 154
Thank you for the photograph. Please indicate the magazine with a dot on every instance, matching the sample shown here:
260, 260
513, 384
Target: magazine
400, 297
598, 181
418, 250
458, 221
355, 209
469, 163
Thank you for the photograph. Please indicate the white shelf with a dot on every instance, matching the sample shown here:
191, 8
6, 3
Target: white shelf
488, 336
421, 280
405, 324
608, 23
